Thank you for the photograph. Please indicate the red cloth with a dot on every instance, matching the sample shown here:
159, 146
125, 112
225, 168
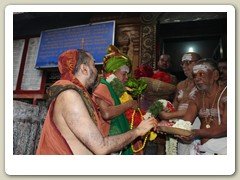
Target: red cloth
66, 65
143, 71
103, 93
137, 116
51, 141
162, 76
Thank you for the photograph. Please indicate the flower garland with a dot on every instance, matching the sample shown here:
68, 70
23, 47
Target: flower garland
171, 143
167, 106
160, 105
164, 105
154, 110
131, 127
134, 117
135, 86
117, 85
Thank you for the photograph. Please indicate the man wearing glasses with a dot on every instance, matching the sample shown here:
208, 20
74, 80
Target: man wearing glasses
185, 89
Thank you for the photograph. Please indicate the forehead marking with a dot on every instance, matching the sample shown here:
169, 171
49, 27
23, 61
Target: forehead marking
187, 57
201, 67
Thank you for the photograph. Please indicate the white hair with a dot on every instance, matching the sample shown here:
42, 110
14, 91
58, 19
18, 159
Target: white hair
124, 68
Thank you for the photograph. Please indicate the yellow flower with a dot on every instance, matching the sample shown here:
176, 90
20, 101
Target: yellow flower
125, 97
152, 136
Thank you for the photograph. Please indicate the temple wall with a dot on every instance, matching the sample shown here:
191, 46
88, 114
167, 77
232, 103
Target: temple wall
27, 124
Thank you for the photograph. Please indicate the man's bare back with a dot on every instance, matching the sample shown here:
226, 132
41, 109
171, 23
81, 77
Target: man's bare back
65, 101
71, 124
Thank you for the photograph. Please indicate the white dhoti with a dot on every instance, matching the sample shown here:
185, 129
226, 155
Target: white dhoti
214, 146
190, 149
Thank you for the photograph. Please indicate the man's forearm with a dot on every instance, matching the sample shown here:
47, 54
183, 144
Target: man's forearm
113, 111
118, 142
208, 133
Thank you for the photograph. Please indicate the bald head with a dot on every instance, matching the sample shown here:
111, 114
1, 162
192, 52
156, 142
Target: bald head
191, 56
188, 61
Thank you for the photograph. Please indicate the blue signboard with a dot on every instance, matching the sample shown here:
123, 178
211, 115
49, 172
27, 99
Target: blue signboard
94, 38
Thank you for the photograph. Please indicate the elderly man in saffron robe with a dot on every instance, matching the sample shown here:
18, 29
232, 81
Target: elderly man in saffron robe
116, 66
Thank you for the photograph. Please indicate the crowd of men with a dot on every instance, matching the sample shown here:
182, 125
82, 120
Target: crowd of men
78, 122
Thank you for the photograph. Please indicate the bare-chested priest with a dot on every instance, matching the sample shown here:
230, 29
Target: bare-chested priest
185, 90
210, 105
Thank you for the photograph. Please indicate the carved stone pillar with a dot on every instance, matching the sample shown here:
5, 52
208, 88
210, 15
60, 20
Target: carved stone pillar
128, 41
123, 41
148, 38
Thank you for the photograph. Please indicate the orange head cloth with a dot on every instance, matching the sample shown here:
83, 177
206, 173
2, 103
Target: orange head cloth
66, 64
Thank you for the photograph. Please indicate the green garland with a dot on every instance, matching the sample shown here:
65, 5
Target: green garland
118, 87
156, 108
137, 86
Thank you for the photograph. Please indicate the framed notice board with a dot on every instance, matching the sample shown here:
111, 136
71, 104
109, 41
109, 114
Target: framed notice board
18, 46
95, 38
32, 77
28, 82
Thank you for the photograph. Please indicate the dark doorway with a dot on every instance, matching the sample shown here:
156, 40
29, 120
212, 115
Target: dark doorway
206, 37
207, 47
